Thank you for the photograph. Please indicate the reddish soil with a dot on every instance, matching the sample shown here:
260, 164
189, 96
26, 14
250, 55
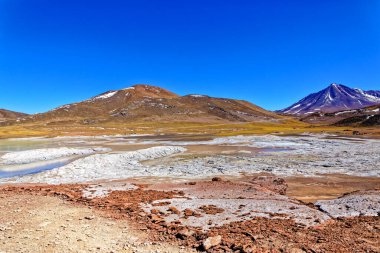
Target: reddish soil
225, 188
360, 234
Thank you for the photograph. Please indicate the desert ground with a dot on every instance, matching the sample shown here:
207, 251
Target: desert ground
159, 126
283, 191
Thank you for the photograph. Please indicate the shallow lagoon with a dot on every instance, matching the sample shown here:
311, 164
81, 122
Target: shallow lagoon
305, 155
32, 169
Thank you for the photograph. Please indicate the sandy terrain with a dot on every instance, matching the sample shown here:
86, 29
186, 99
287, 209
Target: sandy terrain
47, 224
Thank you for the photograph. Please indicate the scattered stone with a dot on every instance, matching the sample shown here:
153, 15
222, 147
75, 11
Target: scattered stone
173, 210
211, 209
188, 212
185, 233
212, 242
155, 218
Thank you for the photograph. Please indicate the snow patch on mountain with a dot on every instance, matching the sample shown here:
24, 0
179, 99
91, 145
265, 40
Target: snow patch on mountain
104, 96
197, 96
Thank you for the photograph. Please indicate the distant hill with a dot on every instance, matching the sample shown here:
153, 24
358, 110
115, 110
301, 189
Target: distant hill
367, 116
151, 103
334, 98
6, 115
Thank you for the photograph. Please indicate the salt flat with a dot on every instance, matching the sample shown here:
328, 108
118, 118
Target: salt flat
305, 155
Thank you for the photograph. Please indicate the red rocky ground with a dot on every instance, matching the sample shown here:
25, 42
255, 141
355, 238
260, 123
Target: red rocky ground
359, 234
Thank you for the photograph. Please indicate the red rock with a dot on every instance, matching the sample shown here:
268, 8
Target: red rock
184, 233
188, 212
211, 242
174, 210
211, 209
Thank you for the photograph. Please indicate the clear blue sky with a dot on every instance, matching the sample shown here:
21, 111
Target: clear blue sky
269, 52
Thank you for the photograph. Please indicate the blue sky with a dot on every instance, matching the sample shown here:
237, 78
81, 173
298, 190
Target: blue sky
270, 52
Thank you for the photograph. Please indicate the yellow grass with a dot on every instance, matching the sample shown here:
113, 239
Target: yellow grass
218, 129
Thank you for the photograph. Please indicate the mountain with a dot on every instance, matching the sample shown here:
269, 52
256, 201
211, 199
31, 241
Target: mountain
151, 103
6, 115
374, 93
365, 120
335, 97
367, 116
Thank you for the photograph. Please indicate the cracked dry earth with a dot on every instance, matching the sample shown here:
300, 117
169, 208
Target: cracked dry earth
32, 223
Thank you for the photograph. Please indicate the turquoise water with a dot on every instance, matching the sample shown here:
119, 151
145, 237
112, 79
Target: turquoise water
33, 169
20, 145
10, 145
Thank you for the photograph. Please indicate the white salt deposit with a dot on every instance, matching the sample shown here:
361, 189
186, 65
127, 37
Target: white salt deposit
305, 155
355, 204
265, 141
101, 166
35, 155
239, 210
300, 155
102, 190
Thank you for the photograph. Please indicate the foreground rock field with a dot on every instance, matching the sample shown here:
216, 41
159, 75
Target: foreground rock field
308, 193
251, 215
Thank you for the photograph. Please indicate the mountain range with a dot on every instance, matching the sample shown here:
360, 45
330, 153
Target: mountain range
150, 103
335, 97
337, 104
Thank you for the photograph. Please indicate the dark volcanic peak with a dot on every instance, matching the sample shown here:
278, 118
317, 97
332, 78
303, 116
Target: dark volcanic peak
335, 97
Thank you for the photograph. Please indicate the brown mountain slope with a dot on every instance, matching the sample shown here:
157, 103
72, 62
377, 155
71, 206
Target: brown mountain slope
367, 116
145, 102
6, 114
